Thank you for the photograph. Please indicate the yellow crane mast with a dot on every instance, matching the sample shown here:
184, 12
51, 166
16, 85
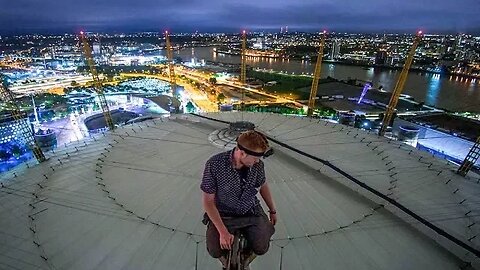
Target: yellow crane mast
243, 68
316, 76
96, 81
173, 81
399, 86
27, 133
470, 159
243, 74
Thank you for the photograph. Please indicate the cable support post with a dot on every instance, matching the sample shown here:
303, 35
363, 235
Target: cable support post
97, 83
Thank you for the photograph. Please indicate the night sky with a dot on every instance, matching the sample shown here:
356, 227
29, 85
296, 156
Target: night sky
58, 16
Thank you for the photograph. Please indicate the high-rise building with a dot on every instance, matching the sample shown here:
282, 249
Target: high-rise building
259, 43
335, 52
381, 57
97, 48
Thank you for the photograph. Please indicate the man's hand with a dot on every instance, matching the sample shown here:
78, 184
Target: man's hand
273, 218
226, 240
267, 197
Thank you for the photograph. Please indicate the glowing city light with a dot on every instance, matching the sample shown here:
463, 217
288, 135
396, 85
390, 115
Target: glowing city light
364, 92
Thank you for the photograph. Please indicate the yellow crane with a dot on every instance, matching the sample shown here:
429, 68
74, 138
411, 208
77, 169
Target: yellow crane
243, 68
316, 76
27, 133
470, 159
243, 74
399, 86
173, 81
96, 81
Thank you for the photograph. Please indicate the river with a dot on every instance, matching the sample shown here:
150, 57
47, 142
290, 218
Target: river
451, 93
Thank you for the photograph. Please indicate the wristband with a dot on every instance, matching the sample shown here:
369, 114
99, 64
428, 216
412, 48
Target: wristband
272, 211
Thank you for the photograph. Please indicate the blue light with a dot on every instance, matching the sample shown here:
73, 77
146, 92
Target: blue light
364, 92
434, 87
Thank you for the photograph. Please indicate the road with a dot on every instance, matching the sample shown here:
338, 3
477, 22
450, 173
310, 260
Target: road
198, 97
194, 75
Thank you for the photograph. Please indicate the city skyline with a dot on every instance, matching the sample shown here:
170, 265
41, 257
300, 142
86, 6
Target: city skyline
25, 17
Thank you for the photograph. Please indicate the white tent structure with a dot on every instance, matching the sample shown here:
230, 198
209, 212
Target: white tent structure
130, 199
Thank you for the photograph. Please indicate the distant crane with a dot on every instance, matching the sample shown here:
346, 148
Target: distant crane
470, 159
173, 81
243, 71
399, 86
316, 76
27, 133
243, 74
96, 81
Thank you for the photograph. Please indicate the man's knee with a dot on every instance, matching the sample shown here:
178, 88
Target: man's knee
260, 248
213, 247
262, 235
214, 252
213, 242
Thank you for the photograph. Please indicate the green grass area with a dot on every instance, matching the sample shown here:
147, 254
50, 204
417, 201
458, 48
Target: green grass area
324, 112
272, 108
286, 84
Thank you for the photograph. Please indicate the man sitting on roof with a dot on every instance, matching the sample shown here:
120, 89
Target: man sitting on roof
231, 181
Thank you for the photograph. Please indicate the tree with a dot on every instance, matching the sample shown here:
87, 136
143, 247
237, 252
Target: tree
16, 150
74, 83
359, 121
221, 97
190, 107
4, 154
213, 80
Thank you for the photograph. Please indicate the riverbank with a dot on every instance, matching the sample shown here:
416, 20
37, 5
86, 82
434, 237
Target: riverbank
298, 87
424, 70
251, 53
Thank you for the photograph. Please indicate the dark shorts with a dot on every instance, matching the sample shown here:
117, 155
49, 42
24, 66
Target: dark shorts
257, 230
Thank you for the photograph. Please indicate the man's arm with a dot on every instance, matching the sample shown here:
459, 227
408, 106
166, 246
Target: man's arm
267, 197
226, 239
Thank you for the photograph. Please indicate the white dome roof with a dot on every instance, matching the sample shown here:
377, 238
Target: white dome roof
130, 199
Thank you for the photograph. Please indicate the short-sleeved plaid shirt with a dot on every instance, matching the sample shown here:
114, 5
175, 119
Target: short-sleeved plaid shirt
233, 197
